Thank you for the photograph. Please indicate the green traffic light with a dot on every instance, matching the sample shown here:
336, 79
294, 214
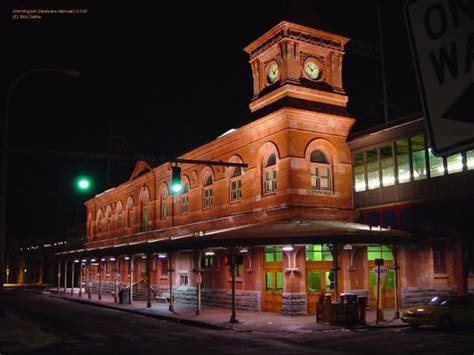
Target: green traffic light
176, 179
83, 184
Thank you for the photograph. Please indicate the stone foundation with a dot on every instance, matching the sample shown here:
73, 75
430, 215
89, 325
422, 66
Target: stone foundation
245, 300
412, 296
294, 304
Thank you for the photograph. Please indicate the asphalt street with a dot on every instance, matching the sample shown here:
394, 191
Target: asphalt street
80, 329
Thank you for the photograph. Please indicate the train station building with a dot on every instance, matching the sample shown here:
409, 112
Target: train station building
308, 215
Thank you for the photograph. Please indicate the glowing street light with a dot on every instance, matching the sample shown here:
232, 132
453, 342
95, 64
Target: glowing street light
83, 184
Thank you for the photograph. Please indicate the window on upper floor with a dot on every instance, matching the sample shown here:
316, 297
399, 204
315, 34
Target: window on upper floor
372, 168
109, 219
164, 204
470, 159
185, 199
320, 172
454, 163
119, 216
439, 258
130, 213
145, 210
359, 171
207, 193
386, 165
436, 164
98, 223
318, 252
418, 157
403, 160
236, 184
273, 254
270, 175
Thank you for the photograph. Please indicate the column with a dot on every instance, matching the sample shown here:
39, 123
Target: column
395, 281
170, 274
89, 282
148, 274
198, 290
72, 276
99, 293
80, 278
233, 317
130, 272
65, 275
59, 275
336, 269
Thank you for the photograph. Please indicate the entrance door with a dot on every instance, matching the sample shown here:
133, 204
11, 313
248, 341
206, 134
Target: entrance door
318, 281
387, 295
272, 292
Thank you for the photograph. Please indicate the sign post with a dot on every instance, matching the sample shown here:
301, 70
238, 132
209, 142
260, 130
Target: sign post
442, 40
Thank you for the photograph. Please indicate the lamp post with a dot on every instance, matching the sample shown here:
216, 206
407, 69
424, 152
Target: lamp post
3, 197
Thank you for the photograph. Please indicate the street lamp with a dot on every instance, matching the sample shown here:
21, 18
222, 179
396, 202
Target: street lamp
3, 198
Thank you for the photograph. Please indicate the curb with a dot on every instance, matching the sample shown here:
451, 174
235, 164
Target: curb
149, 315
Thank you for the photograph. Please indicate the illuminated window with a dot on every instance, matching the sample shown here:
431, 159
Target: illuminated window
359, 172
379, 252
388, 167
108, 217
236, 185
130, 212
98, 222
439, 258
207, 262
164, 204
146, 200
418, 157
207, 193
183, 280
320, 172
470, 159
185, 199
436, 164
318, 252
373, 169
454, 163
270, 175
273, 254
403, 160
119, 216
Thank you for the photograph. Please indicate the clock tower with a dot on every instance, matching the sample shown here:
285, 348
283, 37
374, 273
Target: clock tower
298, 66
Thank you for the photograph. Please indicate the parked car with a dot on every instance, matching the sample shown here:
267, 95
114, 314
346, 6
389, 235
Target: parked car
442, 311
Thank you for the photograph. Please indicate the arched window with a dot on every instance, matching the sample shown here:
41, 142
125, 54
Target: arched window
185, 199
207, 193
145, 209
108, 218
164, 204
270, 175
236, 184
98, 223
130, 212
119, 216
320, 172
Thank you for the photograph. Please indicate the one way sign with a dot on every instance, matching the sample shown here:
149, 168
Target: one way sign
442, 39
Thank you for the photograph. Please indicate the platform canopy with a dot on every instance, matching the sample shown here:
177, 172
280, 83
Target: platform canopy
269, 233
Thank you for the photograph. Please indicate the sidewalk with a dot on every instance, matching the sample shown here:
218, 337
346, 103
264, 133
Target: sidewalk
218, 318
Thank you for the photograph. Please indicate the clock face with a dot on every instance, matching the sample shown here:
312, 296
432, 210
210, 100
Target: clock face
311, 69
272, 72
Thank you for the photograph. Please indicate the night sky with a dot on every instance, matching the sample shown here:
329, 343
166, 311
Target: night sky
161, 80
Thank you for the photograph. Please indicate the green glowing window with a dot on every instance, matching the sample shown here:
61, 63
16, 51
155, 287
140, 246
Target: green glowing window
207, 261
318, 252
386, 161
330, 280
279, 280
470, 159
359, 172
379, 252
373, 169
269, 280
273, 254
454, 163
418, 157
403, 161
314, 281
436, 165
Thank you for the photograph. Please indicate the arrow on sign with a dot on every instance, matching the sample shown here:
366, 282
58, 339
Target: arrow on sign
459, 110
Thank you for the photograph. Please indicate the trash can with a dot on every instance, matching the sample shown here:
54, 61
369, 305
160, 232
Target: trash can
124, 295
362, 305
350, 300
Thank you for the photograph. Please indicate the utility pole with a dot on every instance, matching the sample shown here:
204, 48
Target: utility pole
382, 61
